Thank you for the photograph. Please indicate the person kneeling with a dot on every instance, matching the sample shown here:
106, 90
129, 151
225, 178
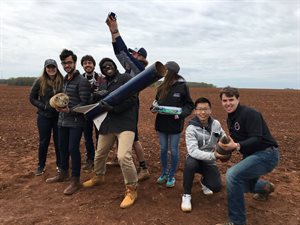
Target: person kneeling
202, 135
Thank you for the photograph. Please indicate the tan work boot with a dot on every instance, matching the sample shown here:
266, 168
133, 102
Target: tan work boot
143, 174
94, 181
73, 187
60, 177
130, 196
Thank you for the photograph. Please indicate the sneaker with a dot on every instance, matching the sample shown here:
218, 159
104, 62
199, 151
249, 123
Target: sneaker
171, 182
89, 164
143, 174
162, 179
206, 190
186, 205
270, 187
40, 170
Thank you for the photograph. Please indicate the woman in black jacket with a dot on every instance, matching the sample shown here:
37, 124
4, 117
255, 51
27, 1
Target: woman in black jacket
44, 87
172, 92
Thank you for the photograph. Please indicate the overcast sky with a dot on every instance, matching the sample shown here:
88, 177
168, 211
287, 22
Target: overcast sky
246, 44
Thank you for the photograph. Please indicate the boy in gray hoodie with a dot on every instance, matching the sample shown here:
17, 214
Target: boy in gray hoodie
201, 135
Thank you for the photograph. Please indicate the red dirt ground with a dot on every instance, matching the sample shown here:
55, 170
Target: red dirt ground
27, 199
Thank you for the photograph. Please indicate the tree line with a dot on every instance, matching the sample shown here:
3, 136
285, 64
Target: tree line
28, 81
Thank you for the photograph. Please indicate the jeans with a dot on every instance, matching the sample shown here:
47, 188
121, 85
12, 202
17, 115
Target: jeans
88, 139
45, 127
125, 142
211, 177
69, 141
164, 140
244, 177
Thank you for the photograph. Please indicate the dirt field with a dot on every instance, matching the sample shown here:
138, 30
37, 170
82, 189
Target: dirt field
27, 199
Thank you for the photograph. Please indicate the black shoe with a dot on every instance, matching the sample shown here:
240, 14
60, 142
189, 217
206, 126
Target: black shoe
270, 187
40, 170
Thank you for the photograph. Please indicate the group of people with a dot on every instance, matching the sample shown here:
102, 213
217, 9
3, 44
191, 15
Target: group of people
248, 131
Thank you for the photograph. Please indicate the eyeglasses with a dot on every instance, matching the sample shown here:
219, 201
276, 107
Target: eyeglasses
202, 109
67, 63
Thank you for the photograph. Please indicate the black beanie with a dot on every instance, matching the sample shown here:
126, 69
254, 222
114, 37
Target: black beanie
105, 60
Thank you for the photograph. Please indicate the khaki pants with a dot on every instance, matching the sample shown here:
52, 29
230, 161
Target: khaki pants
125, 142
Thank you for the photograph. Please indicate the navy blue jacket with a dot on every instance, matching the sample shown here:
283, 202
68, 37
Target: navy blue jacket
128, 62
178, 96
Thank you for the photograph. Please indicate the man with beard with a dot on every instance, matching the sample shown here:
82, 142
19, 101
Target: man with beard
120, 123
70, 124
88, 63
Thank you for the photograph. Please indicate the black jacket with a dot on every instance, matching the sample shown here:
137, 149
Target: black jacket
178, 96
79, 90
42, 102
123, 117
248, 127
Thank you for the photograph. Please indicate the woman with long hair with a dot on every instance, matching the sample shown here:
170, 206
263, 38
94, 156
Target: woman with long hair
175, 93
43, 88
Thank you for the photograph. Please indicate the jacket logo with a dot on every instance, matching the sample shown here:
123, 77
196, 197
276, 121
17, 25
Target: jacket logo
237, 126
177, 95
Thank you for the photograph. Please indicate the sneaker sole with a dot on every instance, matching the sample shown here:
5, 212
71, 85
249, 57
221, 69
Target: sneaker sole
186, 210
170, 186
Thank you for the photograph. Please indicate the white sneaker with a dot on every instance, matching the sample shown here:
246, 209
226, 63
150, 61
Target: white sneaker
206, 190
186, 205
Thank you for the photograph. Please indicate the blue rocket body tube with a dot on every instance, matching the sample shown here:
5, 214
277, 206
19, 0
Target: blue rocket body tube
136, 84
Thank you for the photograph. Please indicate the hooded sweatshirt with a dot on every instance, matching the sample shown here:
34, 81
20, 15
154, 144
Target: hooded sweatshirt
201, 141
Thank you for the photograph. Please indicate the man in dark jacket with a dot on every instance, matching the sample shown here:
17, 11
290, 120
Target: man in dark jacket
71, 123
120, 123
250, 135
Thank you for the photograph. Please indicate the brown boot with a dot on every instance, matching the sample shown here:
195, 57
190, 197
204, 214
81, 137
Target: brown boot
130, 196
94, 181
60, 177
73, 187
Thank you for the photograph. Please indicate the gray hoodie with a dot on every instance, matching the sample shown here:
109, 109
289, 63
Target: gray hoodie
200, 140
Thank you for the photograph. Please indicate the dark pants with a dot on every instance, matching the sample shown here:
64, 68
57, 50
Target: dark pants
45, 127
69, 141
210, 174
88, 139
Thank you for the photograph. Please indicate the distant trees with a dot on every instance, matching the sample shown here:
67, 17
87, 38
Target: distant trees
191, 84
28, 81
19, 81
